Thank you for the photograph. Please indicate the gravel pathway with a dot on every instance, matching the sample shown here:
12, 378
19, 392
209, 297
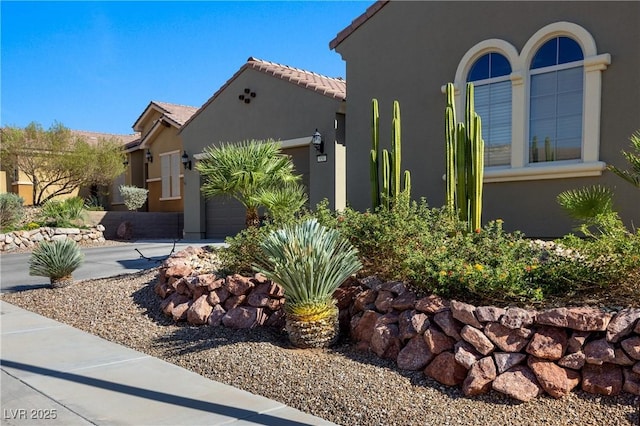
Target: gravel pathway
340, 385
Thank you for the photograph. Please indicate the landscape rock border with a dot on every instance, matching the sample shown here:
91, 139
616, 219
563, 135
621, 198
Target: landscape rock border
518, 352
28, 239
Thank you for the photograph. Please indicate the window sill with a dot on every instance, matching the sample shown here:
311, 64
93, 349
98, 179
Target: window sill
170, 198
560, 170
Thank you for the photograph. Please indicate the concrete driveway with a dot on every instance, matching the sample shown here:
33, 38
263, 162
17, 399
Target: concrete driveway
99, 262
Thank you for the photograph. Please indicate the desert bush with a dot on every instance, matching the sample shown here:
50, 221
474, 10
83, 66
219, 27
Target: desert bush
11, 210
237, 257
134, 197
63, 213
56, 260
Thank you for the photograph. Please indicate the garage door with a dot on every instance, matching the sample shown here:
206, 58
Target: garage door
225, 216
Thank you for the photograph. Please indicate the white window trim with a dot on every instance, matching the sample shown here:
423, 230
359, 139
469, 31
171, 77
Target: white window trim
593, 65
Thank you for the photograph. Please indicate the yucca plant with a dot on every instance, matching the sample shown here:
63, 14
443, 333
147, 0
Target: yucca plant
310, 262
56, 260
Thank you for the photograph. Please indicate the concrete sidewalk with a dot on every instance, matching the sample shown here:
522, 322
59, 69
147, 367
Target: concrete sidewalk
53, 374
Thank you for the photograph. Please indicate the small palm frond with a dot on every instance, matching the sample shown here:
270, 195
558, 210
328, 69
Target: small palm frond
633, 158
587, 203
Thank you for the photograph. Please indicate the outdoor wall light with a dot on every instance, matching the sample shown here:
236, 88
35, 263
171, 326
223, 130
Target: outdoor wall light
148, 156
317, 142
186, 162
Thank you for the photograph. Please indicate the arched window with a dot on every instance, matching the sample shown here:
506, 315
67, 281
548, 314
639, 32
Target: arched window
490, 75
556, 101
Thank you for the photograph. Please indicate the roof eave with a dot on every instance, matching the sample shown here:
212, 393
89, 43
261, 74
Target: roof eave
356, 23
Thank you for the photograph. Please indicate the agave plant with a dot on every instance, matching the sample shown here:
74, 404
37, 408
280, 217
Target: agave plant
56, 260
310, 262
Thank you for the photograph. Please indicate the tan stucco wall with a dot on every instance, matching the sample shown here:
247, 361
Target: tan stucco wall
280, 111
408, 50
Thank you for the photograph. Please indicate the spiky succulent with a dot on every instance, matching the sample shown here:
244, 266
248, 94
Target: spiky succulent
310, 262
55, 259
587, 203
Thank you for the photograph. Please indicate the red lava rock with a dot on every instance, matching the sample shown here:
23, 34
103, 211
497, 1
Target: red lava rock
396, 287
575, 361
215, 319
584, 319
448, 324
636, 368
622, 324
465, 354
362, 327
257, 299
576, 341
199, 311
631, 382
238, 285
259, 278
276, 290
179, 270
385, 341
632, 347
415, 355
517, 318
234, 301
479, 378
276, 320
621, 358
384, 301
605, 379
477, 339
344, 296
365, 301
437, 341
172, 301
599, 351
404, 302
431, 304
506, 339
446, 370
489, 313
179, 312
464, 313
548, 343
555, 380
411, 323
519, 383
505, 360
243, 317
206, 280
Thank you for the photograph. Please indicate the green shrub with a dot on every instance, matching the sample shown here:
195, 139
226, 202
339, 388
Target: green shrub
63, 213
310, 262
11, 210
237, 257
56, 260
93, 203
134, 197
31, 226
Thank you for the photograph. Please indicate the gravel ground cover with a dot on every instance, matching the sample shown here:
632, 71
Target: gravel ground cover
341, 385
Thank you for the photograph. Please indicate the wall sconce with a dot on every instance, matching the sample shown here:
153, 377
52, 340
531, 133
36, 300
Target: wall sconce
148, 156
317, 142
186, 162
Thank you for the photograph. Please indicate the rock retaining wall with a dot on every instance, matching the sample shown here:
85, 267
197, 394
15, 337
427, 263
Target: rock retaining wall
521, 353
26, 239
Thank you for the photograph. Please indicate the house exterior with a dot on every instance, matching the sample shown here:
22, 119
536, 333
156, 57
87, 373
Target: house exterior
154, 161
556, 86
264, 100
18, 182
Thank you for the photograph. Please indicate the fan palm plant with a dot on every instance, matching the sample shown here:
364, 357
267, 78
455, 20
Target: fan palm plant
56, 260
243, 170
310, 262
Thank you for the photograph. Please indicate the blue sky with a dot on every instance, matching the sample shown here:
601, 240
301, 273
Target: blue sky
96, 65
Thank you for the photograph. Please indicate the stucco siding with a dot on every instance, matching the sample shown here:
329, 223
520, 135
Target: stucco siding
408, 50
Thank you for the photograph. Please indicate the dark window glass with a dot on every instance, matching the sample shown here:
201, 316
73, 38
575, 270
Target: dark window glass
559, 50
489, 66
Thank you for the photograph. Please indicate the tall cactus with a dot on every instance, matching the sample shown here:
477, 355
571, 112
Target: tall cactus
390, 162
373, 160
465, 160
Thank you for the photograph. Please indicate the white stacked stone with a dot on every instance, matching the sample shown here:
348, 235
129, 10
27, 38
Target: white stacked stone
27, 239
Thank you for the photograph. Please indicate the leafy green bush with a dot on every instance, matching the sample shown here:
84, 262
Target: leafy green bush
63, 213
134, 197
11, 210
56, 260
237, 257
31, 226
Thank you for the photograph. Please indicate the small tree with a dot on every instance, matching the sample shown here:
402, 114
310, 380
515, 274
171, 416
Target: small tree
245, 171
11, 210
57, 161
134, 197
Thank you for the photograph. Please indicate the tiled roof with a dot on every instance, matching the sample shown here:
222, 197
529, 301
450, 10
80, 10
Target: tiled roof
93, 137
371, 10
178, 113
333, 87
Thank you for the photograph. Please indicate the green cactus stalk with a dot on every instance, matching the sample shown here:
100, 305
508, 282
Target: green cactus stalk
548, 152
395, 149
465, 160
407, 181
534, 150
373, 161
386, 178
